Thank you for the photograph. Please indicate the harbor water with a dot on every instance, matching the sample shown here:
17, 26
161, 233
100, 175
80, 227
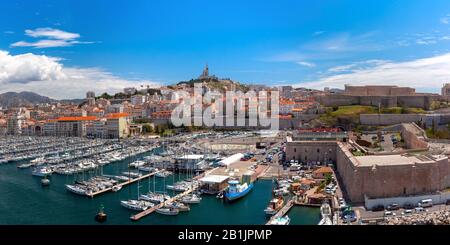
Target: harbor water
23, 200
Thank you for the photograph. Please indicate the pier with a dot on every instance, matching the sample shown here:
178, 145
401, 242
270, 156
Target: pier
122, 184
144, 213
283, 211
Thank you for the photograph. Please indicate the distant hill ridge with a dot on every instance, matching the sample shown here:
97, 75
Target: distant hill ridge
14, 99
10, 99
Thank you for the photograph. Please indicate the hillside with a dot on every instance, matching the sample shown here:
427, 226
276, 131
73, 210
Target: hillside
220, 85
11, 99
349, 115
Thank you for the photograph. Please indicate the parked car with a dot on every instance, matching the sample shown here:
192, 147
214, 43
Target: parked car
393, 206
425, 203
420, 209
389, 213
407, 212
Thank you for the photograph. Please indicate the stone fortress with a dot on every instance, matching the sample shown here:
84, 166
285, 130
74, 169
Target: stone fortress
413, 172
384, 96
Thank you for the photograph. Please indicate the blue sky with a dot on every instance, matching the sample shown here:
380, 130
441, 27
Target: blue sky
72, 45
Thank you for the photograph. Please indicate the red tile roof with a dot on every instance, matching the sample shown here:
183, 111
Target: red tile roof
69, 119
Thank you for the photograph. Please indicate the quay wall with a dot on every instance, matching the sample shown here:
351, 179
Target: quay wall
391, 119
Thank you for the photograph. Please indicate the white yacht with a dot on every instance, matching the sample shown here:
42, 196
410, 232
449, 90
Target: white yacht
154, 197
132, 174
191, 199
136, 205
76, 189
281, 221
163, 174
38, 161
147, 169
179, 206
168, 211
41, 172
137, 164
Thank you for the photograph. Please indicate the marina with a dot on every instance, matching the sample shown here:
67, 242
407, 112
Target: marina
135, 182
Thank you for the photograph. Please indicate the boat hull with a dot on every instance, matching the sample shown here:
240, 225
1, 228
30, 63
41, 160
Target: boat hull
230, 197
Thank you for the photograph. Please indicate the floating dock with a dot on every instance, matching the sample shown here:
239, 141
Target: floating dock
283, 211
122, 184
153, 209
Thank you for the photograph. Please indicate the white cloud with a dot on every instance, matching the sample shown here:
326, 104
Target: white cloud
47, 76
356, 66
52, 34
425, 73
307, 64
28, 67
52, 38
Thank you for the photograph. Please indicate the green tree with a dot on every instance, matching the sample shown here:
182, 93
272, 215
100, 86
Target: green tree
147, 128
328, 178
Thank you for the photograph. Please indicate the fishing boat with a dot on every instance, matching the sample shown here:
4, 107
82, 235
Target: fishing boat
236, 191
136, 205
274, 206
281, 221
168, 211
191, 199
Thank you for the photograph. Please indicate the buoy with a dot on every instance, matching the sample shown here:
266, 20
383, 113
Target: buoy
101, 216
45, 182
